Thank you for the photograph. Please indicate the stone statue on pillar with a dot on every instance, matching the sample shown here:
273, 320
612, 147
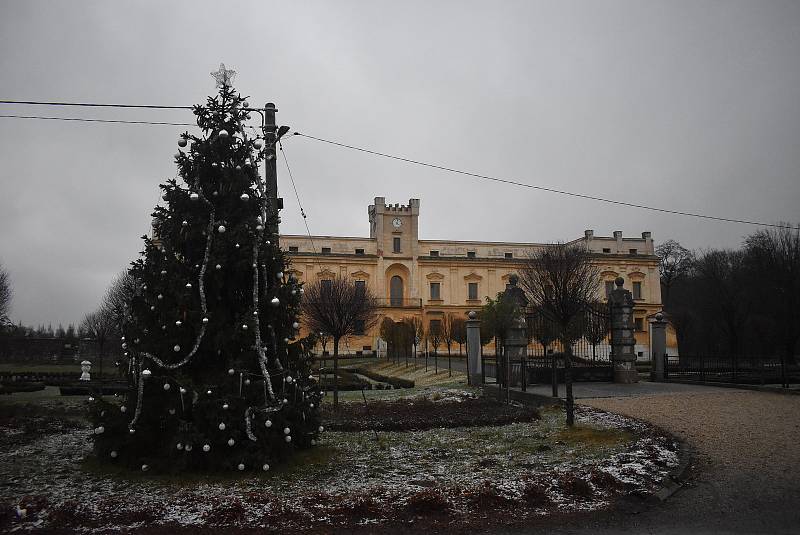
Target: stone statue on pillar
623, 341
516, 339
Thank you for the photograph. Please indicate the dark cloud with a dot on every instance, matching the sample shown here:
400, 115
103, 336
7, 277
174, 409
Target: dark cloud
686, 105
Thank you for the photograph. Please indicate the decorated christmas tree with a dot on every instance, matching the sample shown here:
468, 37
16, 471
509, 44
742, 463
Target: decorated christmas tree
217, 376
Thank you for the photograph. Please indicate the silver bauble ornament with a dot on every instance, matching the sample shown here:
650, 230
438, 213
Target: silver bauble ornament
268, 423
179, 446
223, 134
221, 427
231, 442
159, 297
194, 197
166, 386
205, 320
178, 323
275, 301
240, 467
238, 167
182, 142
244, 327
286, 431
288, 438
214, 165
231, 371
224, 406
113, 454
265, 467
247, 382
189, 285
176, 348
245, 197
123, 409
207, 448
221, 229
295, 325
188, 447
145, 468
146, 373
218, 266
258, 143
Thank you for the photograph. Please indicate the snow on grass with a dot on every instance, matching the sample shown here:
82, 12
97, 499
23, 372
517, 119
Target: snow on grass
524, 469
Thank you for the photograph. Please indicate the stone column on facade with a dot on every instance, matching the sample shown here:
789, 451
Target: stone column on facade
623, 341
658, 330
474, 367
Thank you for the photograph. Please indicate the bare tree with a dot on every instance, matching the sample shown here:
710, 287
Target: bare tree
339, 308
388, 333
773, 256
597, 323
561, 280
674, 263
99, 325
419, 334
458, 331
118, 298
6, 294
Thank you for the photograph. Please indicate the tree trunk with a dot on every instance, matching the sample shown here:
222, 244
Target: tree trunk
570, 401
335, 373
554, 378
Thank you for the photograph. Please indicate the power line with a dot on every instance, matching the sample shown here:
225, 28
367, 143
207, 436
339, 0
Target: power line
302, 211
94, 105
542, 188
93, 120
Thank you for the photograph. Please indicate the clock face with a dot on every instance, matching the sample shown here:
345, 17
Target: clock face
397, 222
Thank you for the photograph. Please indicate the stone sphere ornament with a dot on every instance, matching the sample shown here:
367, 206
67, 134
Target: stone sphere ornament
194, 197
182, 142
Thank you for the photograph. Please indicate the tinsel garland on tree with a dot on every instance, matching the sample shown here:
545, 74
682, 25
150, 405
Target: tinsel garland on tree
217, 378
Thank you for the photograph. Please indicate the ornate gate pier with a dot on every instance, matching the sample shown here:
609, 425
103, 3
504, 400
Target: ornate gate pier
622, 339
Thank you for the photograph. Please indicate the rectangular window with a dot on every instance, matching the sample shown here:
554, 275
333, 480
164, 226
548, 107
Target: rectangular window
638, 324
359, 251
435, 327
637, 290
327, 284
326, 250
509, 255
361, 287
396, 244
359, 327
293, 249
470, 254
606, 250
434, 253
472, 290
435, 290
609, 288
633, 251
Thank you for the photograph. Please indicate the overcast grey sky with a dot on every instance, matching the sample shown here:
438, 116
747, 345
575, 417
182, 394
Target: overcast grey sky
690, 105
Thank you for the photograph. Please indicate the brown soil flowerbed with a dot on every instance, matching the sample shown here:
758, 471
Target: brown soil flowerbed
417, 414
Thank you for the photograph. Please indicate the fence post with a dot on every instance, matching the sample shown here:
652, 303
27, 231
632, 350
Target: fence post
665, 358
658, 330
475, 368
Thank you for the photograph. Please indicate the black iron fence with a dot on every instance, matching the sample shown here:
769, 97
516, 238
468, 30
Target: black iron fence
738, 369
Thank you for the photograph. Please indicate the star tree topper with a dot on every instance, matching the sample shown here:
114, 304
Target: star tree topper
223, 76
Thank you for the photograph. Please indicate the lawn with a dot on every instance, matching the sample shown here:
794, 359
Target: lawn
353, 479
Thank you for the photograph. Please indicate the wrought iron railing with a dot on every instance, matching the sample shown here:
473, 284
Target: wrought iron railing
400, 302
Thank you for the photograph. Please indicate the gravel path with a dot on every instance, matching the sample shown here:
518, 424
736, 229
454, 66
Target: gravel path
746, 478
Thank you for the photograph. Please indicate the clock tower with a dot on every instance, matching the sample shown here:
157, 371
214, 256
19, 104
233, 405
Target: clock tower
395, 228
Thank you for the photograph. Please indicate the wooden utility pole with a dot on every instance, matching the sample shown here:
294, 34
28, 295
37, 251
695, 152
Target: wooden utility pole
270, 169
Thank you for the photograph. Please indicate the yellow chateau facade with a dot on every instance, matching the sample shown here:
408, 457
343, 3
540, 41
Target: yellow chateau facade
430, 278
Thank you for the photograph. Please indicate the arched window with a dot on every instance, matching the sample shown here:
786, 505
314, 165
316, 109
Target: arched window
396, 291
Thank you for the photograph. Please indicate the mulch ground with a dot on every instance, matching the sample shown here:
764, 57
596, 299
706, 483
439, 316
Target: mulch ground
418, 414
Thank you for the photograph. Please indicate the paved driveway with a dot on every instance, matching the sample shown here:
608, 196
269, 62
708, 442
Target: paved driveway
747, 475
